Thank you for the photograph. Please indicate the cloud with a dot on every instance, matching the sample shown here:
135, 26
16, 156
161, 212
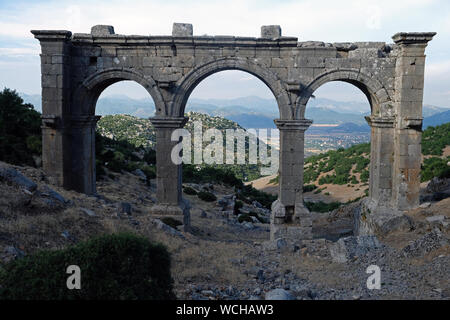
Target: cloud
326, 20
437, 69
19, 52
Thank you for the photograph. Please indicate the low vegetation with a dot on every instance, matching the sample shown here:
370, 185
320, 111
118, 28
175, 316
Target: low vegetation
113, 267
20, 130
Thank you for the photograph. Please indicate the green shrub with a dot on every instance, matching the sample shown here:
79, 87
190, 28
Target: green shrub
434, 139
189, 190
118, 267
244, 218
434, 167
150, 172
174, 223
275, 180
322, 206
309, 187
249, 194
364, 177
206, 196
20, 129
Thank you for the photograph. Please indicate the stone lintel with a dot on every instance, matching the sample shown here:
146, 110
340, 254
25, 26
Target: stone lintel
413, 37
51, 35
168, 122
299, 124
380, 122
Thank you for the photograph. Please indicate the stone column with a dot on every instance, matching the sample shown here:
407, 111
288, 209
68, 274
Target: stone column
381, 160
82, 176
290, 219
409, 78
55, 82
168, 174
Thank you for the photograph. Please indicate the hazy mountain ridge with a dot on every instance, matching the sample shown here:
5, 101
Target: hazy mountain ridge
252, 111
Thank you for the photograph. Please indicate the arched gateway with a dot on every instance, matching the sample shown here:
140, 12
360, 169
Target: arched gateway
77, 68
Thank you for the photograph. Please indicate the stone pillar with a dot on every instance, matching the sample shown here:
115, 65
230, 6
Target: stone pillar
82, 150
290, 219
409, 79
168, 174
55, 82
381, 160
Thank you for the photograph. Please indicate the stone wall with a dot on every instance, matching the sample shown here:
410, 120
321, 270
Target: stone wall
77, 68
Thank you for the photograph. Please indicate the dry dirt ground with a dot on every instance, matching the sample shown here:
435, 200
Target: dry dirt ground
221, 258
329, 192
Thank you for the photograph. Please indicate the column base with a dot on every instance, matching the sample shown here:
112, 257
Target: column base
298, 227
371, 218
175, 211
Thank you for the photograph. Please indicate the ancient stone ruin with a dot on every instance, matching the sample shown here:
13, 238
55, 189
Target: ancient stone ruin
77, 68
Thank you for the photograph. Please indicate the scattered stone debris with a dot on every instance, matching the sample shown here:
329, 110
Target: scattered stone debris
124, 207
166, 228
88, 212
427, 243
140, 174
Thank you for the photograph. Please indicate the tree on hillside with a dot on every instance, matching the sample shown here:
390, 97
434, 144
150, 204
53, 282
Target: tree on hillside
20, 129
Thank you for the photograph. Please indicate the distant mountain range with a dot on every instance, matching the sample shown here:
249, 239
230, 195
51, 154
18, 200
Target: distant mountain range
256, 112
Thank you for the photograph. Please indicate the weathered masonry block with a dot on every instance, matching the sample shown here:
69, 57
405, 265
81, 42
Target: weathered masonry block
76, 68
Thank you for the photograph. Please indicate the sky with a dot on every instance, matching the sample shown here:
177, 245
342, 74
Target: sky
327, 20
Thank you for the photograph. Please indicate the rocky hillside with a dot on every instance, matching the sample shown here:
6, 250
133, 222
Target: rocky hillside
140, 133
342, 175
227, 255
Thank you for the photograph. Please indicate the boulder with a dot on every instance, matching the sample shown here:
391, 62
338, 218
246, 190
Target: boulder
14, 177
279, 294
140, 174
88, 212
277, 244
52, 194
371, 219
167, 229
124, 207
346, 249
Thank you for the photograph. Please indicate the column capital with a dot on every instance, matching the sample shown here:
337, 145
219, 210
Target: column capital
168, 122
52, 35
380, 122
297, 124
405, 38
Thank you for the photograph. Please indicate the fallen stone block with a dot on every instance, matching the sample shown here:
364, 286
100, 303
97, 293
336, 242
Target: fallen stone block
277, 244
279, 294
346, 249
52, 194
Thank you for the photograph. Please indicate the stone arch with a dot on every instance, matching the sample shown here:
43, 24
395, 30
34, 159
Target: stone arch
86, 95
374, 90
186, 85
